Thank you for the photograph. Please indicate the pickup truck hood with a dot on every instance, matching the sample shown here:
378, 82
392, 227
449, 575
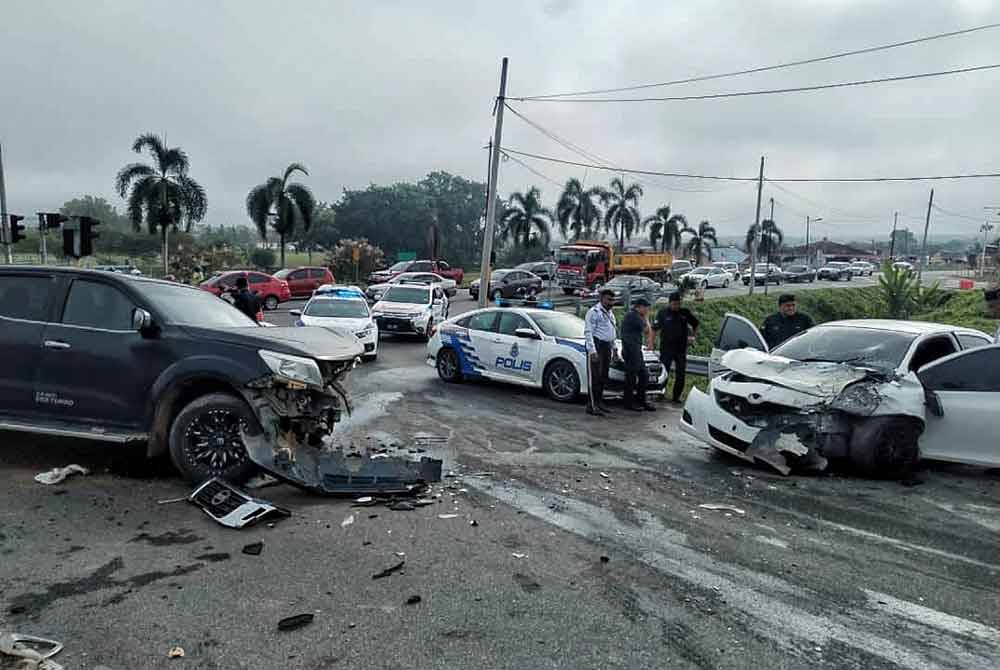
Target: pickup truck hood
318, 343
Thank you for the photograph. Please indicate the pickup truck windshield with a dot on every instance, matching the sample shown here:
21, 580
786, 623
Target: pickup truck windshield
182, 306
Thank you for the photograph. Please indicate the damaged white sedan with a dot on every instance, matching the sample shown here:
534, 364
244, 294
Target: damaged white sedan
871, 395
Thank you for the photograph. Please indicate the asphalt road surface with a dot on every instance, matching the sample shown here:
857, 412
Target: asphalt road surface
590, 549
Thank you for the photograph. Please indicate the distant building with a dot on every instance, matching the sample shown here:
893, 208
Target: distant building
824, 251
729, 254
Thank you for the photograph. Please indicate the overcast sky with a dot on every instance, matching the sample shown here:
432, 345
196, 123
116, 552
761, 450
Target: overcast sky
378, 91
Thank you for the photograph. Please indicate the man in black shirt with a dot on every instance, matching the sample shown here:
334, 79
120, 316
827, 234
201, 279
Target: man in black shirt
678, 327
635, 331
244, 300
787, 322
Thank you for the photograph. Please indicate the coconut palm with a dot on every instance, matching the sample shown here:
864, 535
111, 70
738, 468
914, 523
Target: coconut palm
162, 195
701, 242
524, 214
622, 214
577, 213
768, 240
285, 205
665, 229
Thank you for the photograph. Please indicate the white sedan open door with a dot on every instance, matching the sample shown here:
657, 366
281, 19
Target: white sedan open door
963, 394
736, 333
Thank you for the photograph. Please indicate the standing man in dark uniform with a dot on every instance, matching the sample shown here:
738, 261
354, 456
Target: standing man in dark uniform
244, 300
787, 322
635, 331
599, 334
678, 327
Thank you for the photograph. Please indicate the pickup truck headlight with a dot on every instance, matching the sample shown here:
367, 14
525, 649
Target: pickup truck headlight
294, 368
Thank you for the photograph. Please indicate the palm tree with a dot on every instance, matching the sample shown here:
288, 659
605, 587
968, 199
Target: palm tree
622, 215
701, 242
770, 238
163, 194
665, 229
522, 214
284, 204
577, 212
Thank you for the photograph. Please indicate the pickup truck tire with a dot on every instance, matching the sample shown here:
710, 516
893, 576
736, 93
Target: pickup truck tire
205, 438
271, 303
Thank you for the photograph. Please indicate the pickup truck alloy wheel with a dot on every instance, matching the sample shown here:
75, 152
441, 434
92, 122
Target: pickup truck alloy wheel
561, 381
206, 440
271, 302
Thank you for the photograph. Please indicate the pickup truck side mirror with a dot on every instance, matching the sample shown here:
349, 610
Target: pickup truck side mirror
142, 320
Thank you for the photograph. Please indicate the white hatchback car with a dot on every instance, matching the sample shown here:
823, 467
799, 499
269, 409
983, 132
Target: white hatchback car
873, 394
343, 310
529, 347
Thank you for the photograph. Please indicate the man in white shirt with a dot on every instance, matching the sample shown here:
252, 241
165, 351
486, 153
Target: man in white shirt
599, 334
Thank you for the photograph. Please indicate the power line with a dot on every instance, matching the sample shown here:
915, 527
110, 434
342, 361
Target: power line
530, 169
774, 91
767, 68
942, 210
813, 180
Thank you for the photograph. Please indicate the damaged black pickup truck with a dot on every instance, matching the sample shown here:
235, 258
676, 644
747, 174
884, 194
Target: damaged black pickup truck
123, 359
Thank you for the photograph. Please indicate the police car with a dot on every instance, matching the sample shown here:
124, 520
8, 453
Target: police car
530, 347
342, 309
411, 309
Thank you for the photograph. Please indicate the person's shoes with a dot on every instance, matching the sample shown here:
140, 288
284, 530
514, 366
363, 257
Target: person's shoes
649, 407
634, 408
676, 401
604, 408
595, 412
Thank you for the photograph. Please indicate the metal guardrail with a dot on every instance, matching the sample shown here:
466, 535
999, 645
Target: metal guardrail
697, 365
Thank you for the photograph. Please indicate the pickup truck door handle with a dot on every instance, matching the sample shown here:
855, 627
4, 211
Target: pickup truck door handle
55, 344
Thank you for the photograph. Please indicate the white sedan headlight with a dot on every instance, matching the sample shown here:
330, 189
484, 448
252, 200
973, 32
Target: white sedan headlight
365, 333
293, 368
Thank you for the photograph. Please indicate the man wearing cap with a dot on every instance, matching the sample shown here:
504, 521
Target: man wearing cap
599, 334
786, 323
677, 327
636, 331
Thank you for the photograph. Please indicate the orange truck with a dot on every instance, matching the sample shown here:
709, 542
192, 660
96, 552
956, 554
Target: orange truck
585, 263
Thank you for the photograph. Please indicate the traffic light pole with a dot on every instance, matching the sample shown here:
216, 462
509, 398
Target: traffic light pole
7, 234
42, 250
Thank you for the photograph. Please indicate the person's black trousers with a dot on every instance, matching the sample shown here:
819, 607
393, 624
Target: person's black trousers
677, 358
598, 373
636, 376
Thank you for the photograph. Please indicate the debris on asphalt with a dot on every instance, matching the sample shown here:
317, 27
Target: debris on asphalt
213, 558
347, 522
231, 507
473, 522
401, 506
176, 652
171, 501
605, 475
388, 571
448, 516
56, 475
33, 652
605, 559
364, 501
253, 549
295, 622
517, 555
261, 480
422, 502
719, 507
413, 600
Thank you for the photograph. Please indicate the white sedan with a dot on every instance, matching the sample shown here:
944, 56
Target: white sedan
873, 394
707, 276
342, 310
376, 291
529, 347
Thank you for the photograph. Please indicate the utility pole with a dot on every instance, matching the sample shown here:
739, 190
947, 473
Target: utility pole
4, 232
923, 248
892, 240
770, 241
484, 271
756, 227
42, 251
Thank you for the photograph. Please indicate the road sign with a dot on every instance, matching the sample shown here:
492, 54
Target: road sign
406, 255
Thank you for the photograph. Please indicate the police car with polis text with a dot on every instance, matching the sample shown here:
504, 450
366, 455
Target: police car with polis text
345, 310
541, 348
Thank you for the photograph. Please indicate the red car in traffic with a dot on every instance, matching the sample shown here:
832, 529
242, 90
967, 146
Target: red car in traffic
271, 290
303, 281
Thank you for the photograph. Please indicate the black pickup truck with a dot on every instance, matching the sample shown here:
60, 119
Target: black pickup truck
122, 359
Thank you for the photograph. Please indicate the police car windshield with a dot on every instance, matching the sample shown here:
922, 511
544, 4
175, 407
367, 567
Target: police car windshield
557, 324
864, 347
337, 308
184, 306
408, 294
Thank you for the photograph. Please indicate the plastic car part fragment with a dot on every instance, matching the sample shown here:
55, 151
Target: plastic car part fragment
33, 652
231, 507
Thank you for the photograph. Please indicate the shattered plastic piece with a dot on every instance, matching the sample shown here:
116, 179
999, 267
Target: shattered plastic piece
517, 555
402, 506
605, 475
56, 475
295, 622
253, 549
34, 652
473, 522
388, 571
176, 652
605, 559
364, 501
170, 501
722, 507
413, 600
261, 480
347, 522
448, 516
231, 507
422, 502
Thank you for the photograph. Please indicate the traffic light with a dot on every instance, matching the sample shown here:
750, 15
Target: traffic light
69, 243
49, 220
88, 235
16, 229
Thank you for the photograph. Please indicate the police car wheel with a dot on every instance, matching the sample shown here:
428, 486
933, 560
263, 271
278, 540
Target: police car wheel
447, 366
561, 381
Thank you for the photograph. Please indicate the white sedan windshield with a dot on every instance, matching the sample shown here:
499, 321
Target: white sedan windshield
864, 347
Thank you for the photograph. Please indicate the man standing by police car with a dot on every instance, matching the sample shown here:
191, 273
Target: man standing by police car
244, 300
599, 334
677, 327
786, 323
635, 331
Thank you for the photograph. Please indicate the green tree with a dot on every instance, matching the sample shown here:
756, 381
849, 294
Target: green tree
282, 204
162, 195
899, 291
769, 240
97, 208
577, 213
665, 229
341, 259
524, 214
700, 243
622, 214
322, 235
458, 208
262, 258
